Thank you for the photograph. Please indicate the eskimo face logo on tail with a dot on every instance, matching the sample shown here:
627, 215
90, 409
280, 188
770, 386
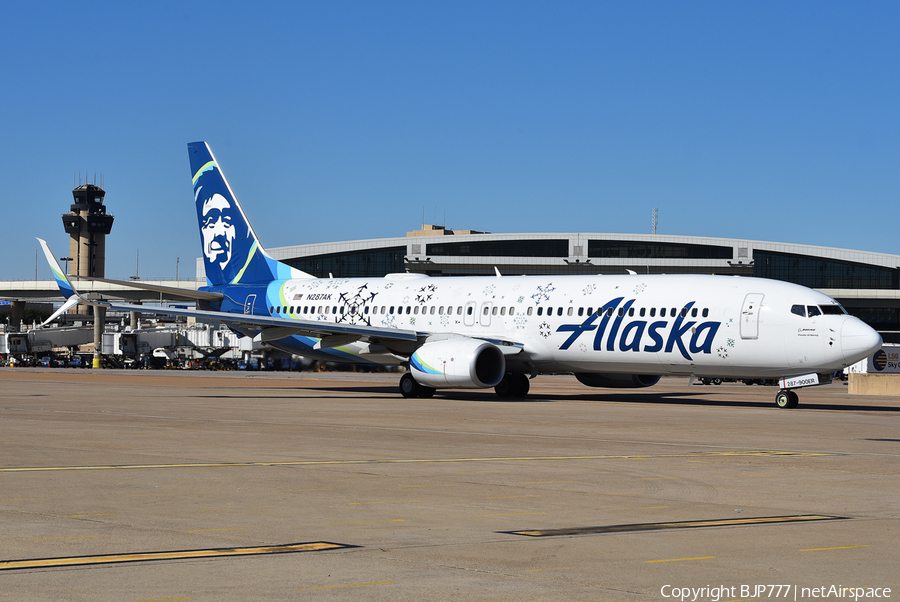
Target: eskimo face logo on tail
633, 333
229, 247
217, 229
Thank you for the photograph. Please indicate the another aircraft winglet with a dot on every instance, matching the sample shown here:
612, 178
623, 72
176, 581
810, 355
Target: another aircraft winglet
65, 287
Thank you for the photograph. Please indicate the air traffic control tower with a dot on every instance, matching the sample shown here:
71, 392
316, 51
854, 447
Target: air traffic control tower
88, 224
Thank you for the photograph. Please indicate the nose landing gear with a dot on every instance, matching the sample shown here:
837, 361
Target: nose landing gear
787, 399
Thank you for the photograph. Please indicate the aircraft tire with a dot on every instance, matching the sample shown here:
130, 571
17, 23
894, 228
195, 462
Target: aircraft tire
512, 385
426, 392
409, 387
519, 385
786, 399
795, 399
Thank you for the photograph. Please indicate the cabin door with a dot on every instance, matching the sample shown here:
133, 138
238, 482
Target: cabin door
248, 304
750, 316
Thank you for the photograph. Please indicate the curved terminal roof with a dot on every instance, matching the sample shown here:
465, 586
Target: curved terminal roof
837, 272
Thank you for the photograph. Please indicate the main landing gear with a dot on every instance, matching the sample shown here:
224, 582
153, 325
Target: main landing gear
409, 387
513, 385
786, 399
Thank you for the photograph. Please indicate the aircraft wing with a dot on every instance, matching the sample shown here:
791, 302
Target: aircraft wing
169, 290
331, 334
274, 328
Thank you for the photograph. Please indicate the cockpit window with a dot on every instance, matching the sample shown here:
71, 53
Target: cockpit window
799, 310
814, 310
833, 310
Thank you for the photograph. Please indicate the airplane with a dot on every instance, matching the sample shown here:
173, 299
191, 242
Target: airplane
480, 332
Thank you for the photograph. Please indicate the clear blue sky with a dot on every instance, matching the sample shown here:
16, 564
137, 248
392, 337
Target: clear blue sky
775, 121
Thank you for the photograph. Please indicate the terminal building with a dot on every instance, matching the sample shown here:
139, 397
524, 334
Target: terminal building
866, 284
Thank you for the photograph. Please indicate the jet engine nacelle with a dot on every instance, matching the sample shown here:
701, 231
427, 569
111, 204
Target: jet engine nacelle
459, 363
617, 381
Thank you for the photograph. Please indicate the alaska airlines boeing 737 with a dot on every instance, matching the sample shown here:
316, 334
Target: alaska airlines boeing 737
480, 332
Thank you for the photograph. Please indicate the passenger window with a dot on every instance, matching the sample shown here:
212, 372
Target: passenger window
630, 312
590, 311
799, 310
609, 312
459, 310
502, 311
643, 311
540, 311
408, 309
320, 309
278, 310
580, 311
652, 312
441, 310
559, 311
512, 310
694, 312
529, 311
672, 313
271, 309
485, 311
392, 309
494, 312
328, 309
662, 312
621, 311
432, 310
813, 311
549, 311
469, 311
416, 310
705, 312
683, 312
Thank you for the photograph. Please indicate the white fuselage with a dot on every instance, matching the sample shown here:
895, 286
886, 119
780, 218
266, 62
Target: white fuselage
679, 324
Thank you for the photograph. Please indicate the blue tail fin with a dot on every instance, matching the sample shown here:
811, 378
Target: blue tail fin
231, 251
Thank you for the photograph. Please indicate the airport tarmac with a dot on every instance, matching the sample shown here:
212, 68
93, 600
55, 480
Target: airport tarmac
138, 486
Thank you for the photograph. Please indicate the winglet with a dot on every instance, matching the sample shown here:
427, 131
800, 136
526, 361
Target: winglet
65, 287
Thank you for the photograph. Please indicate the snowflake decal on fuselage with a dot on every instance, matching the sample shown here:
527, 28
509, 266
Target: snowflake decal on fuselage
544, 329
520, 321
589, 289
723, 352
543, 293
355, 306
425, 293
336, 283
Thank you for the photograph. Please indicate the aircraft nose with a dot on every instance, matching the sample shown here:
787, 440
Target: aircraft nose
858, 340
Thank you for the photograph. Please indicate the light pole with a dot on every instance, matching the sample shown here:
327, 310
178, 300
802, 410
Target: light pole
67, 260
